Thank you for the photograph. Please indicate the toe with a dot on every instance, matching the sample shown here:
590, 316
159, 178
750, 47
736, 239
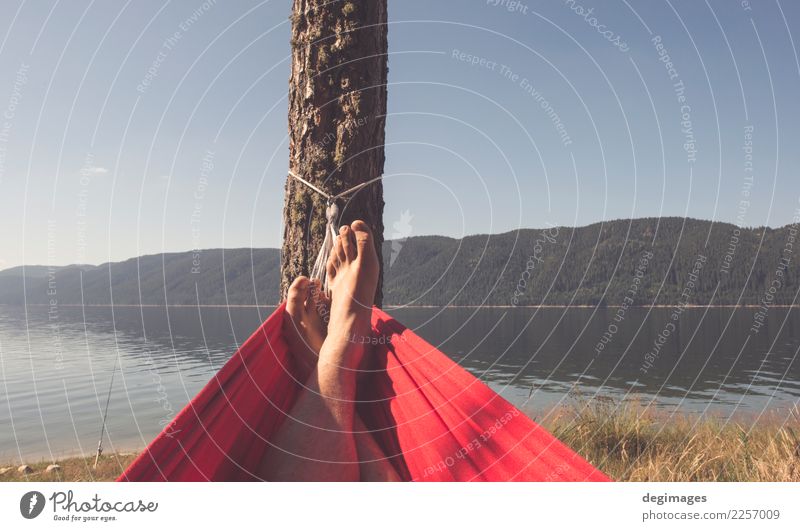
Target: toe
315, 290
330, 269
338, 250
317, 310
297, 295
363, 235
348, 242
316, 301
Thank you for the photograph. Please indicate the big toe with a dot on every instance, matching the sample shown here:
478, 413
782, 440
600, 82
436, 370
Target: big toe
296, 297
362, 233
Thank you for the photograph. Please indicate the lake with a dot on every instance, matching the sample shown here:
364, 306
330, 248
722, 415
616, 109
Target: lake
56, 367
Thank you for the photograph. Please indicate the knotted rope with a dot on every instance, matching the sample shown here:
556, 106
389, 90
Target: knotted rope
318, 271
331, 229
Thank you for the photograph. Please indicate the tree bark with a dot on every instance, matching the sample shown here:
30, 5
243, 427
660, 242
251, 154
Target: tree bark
337, 115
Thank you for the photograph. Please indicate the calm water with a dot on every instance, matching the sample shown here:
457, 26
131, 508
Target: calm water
55, 373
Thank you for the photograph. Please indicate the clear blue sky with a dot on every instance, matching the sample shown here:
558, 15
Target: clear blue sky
97, 166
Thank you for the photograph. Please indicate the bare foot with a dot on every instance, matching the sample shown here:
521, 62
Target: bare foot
305, 322
352, 272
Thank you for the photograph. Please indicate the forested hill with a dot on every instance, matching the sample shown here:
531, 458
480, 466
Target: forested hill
651, 260
598, 264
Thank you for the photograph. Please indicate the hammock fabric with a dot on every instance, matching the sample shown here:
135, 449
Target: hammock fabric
433, 420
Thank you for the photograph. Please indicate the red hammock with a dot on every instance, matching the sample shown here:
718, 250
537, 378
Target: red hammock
433, 420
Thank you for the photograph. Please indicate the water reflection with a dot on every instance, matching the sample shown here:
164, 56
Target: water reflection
56, 368
710, 361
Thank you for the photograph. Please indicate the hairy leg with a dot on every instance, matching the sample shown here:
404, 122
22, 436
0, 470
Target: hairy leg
323, 438
373, 464
315, 442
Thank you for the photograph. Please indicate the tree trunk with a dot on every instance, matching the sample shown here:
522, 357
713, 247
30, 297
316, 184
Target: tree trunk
337, 114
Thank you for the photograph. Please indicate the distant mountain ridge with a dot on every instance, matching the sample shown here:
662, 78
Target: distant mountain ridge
597, 264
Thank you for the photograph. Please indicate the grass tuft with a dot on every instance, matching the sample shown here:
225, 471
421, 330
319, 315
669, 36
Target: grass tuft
109, 467
631, 443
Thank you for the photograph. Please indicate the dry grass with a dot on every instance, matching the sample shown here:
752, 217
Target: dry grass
630, 443
73, 469
627, 442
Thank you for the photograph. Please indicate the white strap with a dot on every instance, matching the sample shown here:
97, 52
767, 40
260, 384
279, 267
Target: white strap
340, 195
331, 229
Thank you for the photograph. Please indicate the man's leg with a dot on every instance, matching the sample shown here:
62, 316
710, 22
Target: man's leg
317, 441
373, 465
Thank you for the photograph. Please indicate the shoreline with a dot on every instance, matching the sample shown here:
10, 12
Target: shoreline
77, 468
625, 440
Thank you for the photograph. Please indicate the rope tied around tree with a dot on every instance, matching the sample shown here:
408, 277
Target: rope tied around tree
332, 228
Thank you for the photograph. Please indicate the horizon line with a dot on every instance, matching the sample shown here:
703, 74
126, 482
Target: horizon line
75, 264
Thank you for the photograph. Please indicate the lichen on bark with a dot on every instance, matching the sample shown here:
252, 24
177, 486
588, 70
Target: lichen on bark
337, 114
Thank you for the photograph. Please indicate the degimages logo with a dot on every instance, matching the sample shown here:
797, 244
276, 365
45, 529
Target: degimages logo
31, 504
